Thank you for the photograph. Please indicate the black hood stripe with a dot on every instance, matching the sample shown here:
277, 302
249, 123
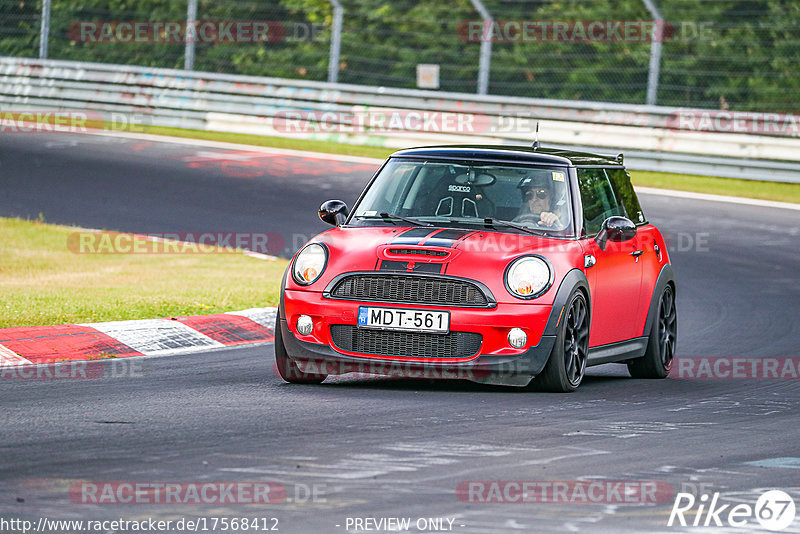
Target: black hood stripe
452, 233
447, 238
414, 236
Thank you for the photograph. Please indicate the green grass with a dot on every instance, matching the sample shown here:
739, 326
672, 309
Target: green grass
683, 182
43, 283
719, 186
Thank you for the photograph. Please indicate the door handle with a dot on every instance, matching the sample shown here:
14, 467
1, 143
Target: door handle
637, 253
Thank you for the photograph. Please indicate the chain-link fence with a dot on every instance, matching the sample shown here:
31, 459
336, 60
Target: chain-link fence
737, 54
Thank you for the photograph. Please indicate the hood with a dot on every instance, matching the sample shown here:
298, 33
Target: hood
480, 255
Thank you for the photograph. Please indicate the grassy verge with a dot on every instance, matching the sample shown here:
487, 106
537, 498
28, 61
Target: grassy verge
684, 182
42, 282
719, 186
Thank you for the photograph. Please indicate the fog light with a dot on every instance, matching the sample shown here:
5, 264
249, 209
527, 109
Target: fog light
517, 338
304, 325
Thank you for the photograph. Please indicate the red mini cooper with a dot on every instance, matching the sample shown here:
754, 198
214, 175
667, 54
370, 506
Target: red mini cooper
498, 264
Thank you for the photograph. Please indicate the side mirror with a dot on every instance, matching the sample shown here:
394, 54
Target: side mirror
615, 229
333, 212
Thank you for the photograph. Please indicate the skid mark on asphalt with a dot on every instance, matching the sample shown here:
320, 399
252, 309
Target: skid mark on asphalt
745, 406
409, 457
356, 466
784, 462
633, 429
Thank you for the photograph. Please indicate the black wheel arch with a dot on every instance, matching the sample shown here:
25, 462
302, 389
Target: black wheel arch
665, 277
573, 279
282, 302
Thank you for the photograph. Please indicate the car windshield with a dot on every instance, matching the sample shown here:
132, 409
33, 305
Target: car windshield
459, 193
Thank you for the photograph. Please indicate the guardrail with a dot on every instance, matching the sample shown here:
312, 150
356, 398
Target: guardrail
652, 137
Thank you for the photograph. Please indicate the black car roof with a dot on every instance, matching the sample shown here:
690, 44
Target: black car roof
512, 153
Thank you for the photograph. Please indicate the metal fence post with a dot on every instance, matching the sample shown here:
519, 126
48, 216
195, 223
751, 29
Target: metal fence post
655, 53
486, 47
191, 17
44, 33
336, 41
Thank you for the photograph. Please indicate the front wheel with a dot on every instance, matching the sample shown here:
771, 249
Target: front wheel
287, 368
657, 359
567, 363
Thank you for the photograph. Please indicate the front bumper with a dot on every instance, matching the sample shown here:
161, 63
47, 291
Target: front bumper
496, 361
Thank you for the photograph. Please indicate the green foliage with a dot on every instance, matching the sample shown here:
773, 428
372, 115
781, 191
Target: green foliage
737, 54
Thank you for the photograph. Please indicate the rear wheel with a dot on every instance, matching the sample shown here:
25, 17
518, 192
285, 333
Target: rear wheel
657, 359
287, 368
567, 363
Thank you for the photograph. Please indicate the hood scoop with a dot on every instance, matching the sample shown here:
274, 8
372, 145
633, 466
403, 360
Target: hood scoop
416, 252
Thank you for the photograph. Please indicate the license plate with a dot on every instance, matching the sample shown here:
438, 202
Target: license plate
437, 322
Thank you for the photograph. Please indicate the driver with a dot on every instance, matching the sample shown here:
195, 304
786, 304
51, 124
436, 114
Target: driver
538, 204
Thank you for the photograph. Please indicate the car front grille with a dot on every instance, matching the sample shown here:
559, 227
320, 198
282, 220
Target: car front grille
411, 289
413, 344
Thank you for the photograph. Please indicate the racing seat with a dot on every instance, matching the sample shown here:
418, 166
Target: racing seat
457, 197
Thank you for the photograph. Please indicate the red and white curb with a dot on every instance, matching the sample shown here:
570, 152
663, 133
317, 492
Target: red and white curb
148, 337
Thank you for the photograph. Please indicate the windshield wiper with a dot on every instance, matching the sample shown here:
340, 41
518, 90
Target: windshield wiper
389, 217
489, 222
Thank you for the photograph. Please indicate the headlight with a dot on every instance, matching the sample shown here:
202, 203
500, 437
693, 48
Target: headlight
309, 264
528, 277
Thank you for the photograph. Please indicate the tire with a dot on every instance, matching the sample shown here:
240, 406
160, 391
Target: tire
287, 368
566, 366
658, 356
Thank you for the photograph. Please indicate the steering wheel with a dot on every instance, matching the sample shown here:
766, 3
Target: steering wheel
530, 218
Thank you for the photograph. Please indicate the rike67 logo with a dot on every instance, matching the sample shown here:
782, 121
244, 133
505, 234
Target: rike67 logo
774, 510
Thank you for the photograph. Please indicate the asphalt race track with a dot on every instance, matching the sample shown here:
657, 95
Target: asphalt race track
379, 447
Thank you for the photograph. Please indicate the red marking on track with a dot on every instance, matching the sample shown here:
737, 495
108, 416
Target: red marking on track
229, 329
252, 164
49, 344
142, 146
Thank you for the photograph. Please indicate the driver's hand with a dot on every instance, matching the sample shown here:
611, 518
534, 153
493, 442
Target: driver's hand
547, 218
